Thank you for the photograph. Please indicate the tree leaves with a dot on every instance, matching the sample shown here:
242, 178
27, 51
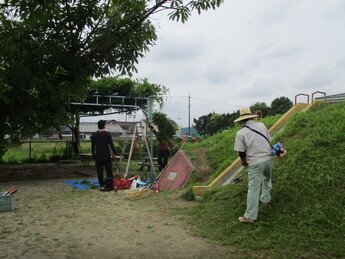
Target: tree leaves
183, 11
49, 51
166, 127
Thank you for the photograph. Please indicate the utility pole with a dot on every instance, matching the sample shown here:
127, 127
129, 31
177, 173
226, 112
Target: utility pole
189, 115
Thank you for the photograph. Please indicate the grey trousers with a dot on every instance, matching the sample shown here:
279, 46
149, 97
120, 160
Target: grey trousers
259, 177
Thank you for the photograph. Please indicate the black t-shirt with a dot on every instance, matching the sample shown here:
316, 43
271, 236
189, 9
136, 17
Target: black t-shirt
100, 142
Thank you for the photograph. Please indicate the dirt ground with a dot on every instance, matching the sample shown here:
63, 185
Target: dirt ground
55, 220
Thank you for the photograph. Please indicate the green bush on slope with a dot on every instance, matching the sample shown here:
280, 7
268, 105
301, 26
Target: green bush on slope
306, 216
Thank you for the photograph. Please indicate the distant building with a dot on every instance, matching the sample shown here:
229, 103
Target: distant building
54, 134
144, 127
127, 127
116, 129
87, 128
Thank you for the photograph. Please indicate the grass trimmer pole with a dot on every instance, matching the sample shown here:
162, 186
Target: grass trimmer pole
238, 179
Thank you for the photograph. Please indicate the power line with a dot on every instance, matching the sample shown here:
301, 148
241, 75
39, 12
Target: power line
207, 100
177, 96
217, 102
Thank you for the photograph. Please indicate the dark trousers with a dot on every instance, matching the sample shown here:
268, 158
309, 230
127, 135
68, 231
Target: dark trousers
108, 169
163, 157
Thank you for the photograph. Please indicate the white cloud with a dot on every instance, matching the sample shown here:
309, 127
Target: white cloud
247, 52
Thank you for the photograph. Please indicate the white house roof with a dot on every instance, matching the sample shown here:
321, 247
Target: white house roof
90, 127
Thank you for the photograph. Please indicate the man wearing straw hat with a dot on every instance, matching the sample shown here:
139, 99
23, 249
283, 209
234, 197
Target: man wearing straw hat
252, 143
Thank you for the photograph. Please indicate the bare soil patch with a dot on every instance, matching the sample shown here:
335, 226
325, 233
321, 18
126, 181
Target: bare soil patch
201, 163
55, 220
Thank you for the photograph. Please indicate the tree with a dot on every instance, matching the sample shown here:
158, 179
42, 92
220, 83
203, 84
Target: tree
130, 88
281, 105
230, 117
202, 123
49, 51
213, 123
166, 127
260, 107
218, 122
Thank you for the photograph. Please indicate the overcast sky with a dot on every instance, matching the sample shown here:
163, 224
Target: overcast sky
246, 52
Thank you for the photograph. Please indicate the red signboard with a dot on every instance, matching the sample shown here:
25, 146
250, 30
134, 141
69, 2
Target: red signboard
176, 173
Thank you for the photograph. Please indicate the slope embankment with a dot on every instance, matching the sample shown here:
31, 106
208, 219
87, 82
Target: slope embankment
227, 176
306, 216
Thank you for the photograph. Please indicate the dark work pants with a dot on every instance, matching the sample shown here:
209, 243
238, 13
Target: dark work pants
163, 157
108, 169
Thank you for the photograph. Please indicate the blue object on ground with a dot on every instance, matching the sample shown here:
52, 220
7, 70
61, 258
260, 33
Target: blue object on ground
277, 149
80, 184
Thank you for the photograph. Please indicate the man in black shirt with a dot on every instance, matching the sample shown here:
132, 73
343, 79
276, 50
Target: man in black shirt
100, 142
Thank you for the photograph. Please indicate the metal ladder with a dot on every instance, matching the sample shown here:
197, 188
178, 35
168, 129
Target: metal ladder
140, 140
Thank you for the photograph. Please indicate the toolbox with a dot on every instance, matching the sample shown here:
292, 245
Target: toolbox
6, 202
122, 183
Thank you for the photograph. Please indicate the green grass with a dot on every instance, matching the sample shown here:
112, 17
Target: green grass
46, 151
220, 148
39, 151
306, 217
53, 151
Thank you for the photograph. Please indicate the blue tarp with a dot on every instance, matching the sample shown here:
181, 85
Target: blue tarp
83, 184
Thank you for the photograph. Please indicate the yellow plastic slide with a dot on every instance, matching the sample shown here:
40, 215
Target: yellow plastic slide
231, 172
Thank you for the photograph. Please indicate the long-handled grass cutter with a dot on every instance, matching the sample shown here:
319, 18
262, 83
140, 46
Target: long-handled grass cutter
239, 179
114, 158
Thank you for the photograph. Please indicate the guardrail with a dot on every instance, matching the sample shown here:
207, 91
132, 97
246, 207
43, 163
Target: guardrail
332, 98
326, 98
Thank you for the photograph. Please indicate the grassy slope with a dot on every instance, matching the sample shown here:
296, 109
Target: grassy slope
220, 147
306, 217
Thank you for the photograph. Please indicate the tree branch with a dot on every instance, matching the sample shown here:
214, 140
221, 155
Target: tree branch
96, 26
137, 20
5, 4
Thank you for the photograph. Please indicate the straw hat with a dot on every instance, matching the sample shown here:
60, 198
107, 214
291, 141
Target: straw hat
245, 114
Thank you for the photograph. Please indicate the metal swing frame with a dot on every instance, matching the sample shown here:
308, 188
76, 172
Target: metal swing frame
119, 102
